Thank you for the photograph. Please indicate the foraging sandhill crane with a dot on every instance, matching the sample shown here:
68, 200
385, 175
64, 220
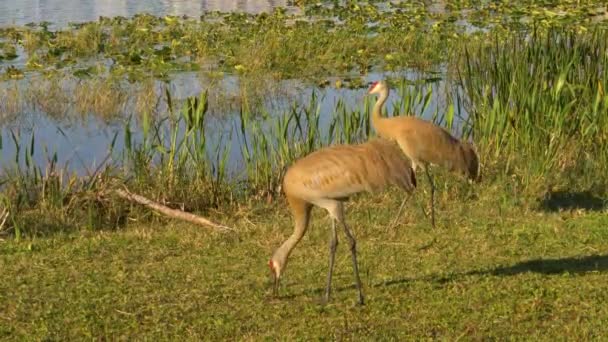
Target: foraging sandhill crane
423, 142
327, 178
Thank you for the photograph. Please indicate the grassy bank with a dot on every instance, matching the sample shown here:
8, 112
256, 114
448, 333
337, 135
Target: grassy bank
494, 269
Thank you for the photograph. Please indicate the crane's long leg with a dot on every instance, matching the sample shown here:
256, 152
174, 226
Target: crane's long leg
333, 245
400, 210
353, 251
275, 286
421, 204
428, 175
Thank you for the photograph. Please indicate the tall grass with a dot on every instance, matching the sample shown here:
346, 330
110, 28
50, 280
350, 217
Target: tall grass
538, 101
181, 160
47, 199
174, 159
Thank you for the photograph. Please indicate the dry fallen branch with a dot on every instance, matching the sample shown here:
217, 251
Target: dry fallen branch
174, 213
3, 217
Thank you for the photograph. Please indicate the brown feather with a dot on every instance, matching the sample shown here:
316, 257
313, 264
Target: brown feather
343, 170
430, 144
424, 142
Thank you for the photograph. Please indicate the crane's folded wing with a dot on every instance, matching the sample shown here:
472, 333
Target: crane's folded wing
343, 170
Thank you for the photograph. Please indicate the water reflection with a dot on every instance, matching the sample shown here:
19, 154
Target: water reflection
60, 12
82, 141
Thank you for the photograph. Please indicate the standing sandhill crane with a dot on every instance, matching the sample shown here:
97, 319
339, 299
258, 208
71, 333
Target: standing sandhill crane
424, 142
328, 177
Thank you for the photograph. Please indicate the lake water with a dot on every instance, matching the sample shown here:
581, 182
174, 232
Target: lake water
60, 12
82, 144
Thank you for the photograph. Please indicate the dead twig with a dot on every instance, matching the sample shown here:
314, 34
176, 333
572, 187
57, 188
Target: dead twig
3, 218
174, 213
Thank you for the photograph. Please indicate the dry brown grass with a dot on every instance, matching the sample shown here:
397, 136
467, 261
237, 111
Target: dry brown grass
146, 97
102, 97
11, 103
48, 96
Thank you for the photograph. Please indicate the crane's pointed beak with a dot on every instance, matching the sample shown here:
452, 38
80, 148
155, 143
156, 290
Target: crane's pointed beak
275, 284
274, 279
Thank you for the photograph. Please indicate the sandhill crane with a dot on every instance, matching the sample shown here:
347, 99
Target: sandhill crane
328, 177
424, 142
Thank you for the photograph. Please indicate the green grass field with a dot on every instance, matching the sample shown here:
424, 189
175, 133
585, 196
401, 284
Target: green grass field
496, 266
522, 255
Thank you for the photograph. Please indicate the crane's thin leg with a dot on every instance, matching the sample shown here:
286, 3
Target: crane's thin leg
428, 175
421, 205
399, 211
404, 147
333, 245
353, 251
275, 286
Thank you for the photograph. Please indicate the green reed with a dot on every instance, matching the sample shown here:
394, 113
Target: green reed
40, 199
270, 143
540, 96
174, 157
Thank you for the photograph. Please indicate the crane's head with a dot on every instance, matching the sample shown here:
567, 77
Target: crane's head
377, 87
275, 271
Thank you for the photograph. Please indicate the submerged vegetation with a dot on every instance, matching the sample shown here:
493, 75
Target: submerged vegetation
337, 41
527, 83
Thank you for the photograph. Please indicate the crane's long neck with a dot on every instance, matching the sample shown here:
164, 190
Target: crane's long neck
377, 119
301, 216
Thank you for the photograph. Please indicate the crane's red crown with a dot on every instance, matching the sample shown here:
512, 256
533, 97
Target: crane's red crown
271, 265
372, 86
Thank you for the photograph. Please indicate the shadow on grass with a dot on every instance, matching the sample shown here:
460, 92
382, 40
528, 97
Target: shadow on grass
566, 200
598, 263
574, 265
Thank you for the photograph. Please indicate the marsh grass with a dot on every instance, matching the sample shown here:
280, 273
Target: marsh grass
10, 102
172, 159
111, 99
539, 104
67, 99
48, 96
50, 199
104, 98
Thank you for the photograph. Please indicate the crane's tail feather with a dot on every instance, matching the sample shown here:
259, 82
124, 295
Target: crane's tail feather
470, 161
398, 170
412, 174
